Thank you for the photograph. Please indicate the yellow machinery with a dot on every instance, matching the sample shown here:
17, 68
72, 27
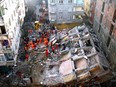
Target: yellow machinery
37, 25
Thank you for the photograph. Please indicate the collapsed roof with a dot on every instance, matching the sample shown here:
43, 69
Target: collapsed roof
79, 62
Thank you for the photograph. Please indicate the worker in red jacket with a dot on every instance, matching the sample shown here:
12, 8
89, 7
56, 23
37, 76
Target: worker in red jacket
27, 57
53, 49
47, 52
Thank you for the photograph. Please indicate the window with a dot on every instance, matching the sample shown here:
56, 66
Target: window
5, 43
101, 18
103, 6
53, 17
60, 1
2, 30
8, 56
60, 15
2, 58
70, 1
108, 42
52, 1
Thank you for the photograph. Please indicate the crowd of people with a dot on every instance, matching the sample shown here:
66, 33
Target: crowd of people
41, 38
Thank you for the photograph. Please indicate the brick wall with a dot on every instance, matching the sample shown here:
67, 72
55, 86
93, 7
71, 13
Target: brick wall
106, 29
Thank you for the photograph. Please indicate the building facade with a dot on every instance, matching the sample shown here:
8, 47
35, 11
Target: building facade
12, 13
105, 28
65, 11
89, 8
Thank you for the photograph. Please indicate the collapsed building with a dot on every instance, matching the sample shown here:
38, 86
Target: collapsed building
78, 59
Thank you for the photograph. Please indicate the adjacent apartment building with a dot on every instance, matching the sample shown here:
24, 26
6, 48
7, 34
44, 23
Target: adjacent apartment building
65, 11
89, 8
105, 28
12, 13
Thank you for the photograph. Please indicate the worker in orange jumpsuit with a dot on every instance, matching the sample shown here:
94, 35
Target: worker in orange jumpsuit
30, 43
33, 46
40, 40
45, 41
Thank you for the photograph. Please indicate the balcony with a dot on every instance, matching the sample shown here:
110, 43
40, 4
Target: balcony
6, 60
5, 50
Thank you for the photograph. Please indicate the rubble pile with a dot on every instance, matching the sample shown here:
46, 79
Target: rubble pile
75, 59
